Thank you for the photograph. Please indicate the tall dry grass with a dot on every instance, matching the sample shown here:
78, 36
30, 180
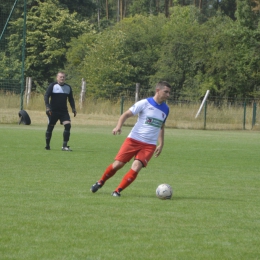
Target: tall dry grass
106, 112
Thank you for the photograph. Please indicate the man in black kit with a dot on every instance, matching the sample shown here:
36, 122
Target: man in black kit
57, 109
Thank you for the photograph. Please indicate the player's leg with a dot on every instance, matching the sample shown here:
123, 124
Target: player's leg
124, 155
144, 154
48, 134
65, 119
128, 178
109, 172
66, 136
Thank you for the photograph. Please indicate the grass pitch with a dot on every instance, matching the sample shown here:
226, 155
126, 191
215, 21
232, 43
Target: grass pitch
48, 212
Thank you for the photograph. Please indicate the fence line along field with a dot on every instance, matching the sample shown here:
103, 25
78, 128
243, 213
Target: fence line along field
48, 212
97, 112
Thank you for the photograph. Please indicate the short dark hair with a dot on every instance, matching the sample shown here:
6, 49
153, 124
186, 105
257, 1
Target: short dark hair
61, 72
162, 84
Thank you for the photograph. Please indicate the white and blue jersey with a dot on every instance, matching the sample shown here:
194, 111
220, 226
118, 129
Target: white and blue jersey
151, 117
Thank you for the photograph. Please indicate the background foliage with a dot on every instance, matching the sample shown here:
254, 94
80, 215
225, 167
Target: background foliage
115, 44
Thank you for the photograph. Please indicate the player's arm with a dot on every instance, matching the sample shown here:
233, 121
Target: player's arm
121, 121
47, 99
72, 102
159, 147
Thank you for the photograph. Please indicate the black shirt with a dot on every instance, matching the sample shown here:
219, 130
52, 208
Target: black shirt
59, 95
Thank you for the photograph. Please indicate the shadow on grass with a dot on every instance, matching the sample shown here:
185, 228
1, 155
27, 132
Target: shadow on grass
174, 198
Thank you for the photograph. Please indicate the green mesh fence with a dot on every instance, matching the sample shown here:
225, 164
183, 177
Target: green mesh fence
11, 63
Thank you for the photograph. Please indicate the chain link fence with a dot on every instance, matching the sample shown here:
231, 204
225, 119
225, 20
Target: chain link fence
216, 114
10, 63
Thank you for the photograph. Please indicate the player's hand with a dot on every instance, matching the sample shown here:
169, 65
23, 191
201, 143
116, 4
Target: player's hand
74, 112
116, 131
157, 151
48, 112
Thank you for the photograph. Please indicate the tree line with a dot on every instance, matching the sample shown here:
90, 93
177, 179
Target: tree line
195, 46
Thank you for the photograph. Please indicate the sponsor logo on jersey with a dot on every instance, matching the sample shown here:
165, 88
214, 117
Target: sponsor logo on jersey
153, 122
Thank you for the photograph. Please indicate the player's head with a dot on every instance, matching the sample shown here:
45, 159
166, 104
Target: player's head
162, 91
162, 84
61, 77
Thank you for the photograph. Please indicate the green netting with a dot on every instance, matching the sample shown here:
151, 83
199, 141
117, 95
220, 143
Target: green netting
10, 62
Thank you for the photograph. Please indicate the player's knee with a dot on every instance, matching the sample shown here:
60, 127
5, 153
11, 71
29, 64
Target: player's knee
137, 165
67, 127
118, 165
50, 128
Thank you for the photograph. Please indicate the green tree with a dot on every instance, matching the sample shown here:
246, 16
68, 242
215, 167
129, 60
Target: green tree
78, 48
49, 30
143, 7
102, 62
227, 7
143, 43
176, 63
85, 8
229, 59
245, 14
121, 56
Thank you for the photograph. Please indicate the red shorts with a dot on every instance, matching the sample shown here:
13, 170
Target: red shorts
132, 148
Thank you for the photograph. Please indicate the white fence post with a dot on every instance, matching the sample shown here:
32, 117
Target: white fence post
29, 89
82, 94
137, 88
26, 87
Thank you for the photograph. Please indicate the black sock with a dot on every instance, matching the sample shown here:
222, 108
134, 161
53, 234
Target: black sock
66, 134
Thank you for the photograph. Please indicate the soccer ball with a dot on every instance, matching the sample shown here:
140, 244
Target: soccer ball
164, 191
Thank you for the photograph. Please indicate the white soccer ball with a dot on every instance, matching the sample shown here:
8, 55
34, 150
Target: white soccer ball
164, 191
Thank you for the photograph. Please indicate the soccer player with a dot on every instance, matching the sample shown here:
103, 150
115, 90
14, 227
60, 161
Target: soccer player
142, 140
56, 109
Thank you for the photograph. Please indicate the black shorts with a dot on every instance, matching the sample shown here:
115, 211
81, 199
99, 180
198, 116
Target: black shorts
55, 116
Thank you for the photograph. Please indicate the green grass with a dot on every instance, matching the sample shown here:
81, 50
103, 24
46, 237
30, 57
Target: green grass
48, 212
